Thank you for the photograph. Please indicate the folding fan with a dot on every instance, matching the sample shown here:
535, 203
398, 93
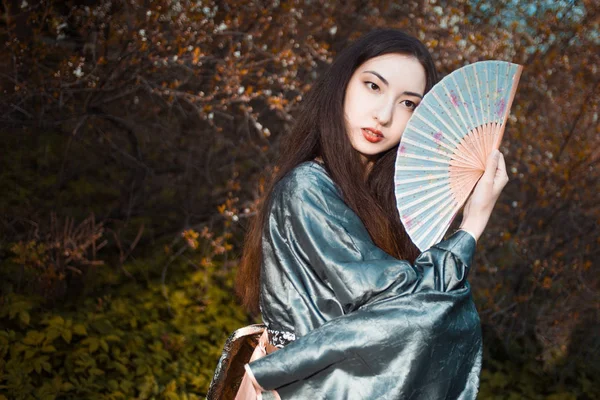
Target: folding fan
446, 143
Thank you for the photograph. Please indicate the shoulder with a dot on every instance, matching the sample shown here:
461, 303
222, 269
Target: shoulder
307, 180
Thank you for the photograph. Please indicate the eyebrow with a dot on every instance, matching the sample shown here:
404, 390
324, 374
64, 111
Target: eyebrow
387, 84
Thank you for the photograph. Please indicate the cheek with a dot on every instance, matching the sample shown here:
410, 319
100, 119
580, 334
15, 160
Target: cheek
354, 102
400, 124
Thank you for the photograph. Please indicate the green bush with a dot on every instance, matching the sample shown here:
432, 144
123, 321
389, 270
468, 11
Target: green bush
130, 343
137, 338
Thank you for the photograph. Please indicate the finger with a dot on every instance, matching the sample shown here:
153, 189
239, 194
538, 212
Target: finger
501, 168
491, 165
501, 177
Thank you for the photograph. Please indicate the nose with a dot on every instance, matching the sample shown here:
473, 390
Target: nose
384, 112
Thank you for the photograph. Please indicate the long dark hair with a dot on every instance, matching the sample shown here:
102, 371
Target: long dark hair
320, 130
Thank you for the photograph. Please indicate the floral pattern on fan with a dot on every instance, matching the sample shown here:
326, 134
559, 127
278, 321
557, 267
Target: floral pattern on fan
444, 148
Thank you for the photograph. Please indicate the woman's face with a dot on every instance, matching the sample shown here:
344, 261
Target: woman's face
380, 98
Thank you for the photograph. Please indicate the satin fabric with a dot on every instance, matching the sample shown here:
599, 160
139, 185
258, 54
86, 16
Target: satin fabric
367, 325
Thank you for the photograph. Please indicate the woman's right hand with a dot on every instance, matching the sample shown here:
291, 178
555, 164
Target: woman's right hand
479, 207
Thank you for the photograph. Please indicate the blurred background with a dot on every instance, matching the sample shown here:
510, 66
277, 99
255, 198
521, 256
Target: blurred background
135, 140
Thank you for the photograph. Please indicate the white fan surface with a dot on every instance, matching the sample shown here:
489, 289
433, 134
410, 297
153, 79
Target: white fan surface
445, 145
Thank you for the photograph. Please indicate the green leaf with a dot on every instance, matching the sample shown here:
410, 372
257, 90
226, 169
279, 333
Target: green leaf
141, 369
24, 317
103, 326
52, 334
46, 366
34, 338
112, 338
56, 320
96, 371
171, 396
48, 349
80, 330
19, 348
126, 385
66, 335
104, 345
113, 385
93, 343
30, 353
121, 368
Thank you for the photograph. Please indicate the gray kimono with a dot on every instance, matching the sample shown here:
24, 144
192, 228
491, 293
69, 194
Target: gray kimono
353, 322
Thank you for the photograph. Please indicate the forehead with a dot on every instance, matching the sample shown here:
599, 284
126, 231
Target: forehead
397, 69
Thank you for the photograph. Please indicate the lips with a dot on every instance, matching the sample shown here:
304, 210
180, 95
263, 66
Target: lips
372, 135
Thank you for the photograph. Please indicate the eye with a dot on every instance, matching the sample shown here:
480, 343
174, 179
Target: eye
409, 104
373, 86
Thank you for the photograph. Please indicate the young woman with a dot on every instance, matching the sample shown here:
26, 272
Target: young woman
355, 310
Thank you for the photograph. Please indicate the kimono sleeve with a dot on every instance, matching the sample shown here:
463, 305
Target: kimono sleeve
310, 220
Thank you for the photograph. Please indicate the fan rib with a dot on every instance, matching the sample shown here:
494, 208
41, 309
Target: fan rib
476, 115
511, 97
462, 185
436, 213
439, 119
419, 189
462, 153
428, 148
432, 159
429, 205
421, 199
422, 223
448, 110
487, 82
478, 139
470, 143
422, 178
458, 110
478, 85
466, 156
443, 225
428, 137
419, 168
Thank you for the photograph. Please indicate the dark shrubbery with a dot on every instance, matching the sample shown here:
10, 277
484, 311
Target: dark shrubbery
139, 340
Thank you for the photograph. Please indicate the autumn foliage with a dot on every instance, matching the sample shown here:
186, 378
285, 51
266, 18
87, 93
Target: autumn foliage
163, 118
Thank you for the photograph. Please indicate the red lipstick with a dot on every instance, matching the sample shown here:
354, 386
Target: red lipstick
372, 135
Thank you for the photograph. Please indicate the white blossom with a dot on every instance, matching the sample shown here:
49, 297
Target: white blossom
78, 72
